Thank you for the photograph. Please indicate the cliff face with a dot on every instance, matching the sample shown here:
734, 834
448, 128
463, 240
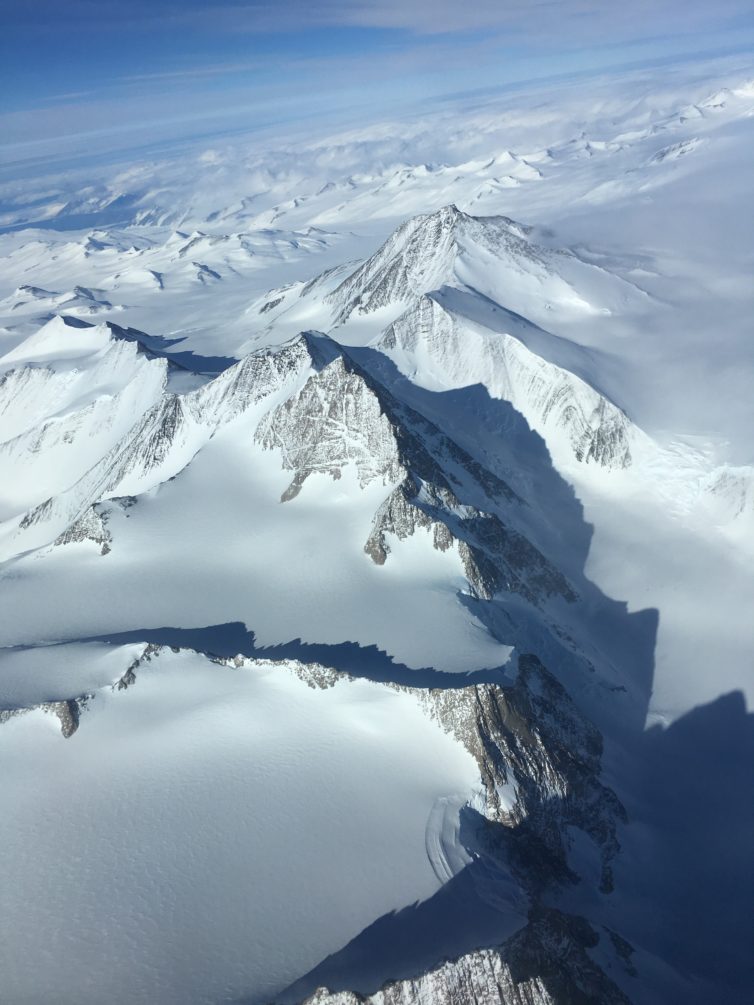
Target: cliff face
540, 761
481, 978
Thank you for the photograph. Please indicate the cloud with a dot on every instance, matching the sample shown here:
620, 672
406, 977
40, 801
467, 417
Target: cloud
191, 73
532, 19
186, 66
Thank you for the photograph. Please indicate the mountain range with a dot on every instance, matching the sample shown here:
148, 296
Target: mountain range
313, 689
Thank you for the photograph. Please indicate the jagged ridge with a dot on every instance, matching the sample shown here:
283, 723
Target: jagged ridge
343, 415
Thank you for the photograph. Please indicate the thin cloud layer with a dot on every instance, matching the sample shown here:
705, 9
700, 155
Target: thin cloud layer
530, 19
127, 67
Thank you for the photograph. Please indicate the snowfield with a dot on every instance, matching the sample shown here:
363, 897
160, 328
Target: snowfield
239, 825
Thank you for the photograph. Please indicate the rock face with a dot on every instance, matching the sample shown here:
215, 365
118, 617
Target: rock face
89, 527
539, 760
334, 420
344, 416
481, 978
494, 557
67, 712
92, 525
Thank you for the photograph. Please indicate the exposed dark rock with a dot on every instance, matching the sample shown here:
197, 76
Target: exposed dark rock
68, 712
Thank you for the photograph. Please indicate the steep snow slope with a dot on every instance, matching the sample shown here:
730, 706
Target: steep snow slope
67, 394
437, 345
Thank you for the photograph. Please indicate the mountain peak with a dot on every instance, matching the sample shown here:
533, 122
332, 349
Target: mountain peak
450, 214
415, 259
424, 254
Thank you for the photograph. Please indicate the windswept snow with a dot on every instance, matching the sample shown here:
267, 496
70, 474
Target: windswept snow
257, 822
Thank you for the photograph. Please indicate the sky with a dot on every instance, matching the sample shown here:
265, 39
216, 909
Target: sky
81, 77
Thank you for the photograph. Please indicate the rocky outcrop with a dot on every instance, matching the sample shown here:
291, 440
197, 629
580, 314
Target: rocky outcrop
92, 525
129, 677
495, 558
546, 963
336, 419
89, 527
68, 712
342, 415
540, 761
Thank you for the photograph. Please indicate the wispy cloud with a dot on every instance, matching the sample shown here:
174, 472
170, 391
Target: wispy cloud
532, 18
191, 73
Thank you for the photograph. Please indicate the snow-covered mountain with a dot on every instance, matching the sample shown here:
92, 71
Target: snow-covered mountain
494, 257
306, 420
374, 613
436, 343
445, 296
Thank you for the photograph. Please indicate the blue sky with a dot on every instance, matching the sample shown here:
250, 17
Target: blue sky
109, 75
